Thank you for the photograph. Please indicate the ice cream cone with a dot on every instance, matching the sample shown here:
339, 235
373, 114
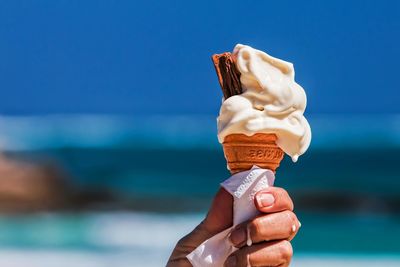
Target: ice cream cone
242, 152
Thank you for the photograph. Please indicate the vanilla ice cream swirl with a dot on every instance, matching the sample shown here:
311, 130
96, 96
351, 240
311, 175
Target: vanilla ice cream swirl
271, 102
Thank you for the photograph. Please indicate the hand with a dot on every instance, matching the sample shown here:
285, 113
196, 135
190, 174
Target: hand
270, 232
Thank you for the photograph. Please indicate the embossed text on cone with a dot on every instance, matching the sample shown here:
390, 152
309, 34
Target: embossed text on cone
242, 152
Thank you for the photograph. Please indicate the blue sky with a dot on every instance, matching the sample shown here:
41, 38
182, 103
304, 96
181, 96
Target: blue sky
139, 57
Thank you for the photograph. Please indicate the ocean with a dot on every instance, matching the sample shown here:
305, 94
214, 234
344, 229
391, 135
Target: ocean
162, 172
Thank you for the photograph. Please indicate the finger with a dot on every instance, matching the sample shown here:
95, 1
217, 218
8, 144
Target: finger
218, 218
220, 214
275, 226
277, 253
273, 199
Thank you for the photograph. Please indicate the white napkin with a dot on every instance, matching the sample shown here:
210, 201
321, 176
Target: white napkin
242, 186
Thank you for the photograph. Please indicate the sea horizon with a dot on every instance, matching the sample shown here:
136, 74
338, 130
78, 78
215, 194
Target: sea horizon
25, 132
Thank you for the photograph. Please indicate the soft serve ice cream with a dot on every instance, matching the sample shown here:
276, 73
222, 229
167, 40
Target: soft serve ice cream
271, 102
260, 118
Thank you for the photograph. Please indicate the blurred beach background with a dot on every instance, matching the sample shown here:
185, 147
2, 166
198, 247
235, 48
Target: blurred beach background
108, 143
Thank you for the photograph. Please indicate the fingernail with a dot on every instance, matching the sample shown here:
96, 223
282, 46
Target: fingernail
231, 261
238, 236
265, 200
299, 224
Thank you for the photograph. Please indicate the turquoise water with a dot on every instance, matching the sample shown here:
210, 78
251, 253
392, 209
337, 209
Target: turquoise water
146, 239
163, 171
103, 231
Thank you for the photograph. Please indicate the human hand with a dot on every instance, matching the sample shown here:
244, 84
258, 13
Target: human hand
270, 232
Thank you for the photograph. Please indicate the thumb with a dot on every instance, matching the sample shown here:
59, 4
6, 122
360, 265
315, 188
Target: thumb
219, 218
220, 215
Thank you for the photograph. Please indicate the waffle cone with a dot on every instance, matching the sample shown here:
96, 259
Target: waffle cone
242, 152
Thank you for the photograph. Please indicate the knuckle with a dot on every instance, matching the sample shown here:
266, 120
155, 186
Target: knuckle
256, 227
281, 191
285, 251
291, 223
290, 216
291, 204
294, 216
283, 195
181, 242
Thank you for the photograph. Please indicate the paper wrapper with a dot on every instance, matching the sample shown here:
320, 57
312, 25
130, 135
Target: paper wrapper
242, 186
